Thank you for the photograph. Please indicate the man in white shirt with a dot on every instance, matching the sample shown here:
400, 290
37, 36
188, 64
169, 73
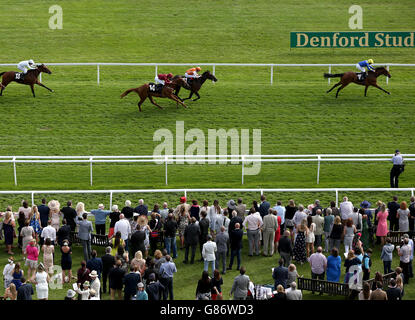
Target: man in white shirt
95, 284
208, 254
280, 213
252, 223
397, 169
124, 227
49, 232
346, 210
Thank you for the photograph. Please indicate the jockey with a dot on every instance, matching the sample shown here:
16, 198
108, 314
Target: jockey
24, 65
365, 63
163, 78
192, 73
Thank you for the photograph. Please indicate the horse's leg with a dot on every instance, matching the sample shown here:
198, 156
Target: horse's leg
198, 96
152, 101
337, 93
42, 85
376, 86
33, 90
175, 98
367, 86
336, 85
189, 97
140, 103
4, 84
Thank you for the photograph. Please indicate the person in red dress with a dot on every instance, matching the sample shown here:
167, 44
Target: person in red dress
277, 235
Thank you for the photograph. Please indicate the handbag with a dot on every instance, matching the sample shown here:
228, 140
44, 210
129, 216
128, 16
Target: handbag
154, 234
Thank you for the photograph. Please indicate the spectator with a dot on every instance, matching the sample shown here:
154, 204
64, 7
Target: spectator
318, 220
195, 210
327, 227
108, 262
411, 244
216, 283
164, 212
240, 209
83, 275
84, 292
351, 261
95, 264
183, 221
318, 264
269, 227
155, 233
280, 294
280, 213
100, 218
10, 293
27, 233
222, 220
141, 293
208, 254
277, 236
131, 281
84, 234
17, 274
378, 277
116, 276
235, 238
264, 207
253, 223
154, 288
35, 222
366, 292
293, 293
393, 293
403, 217
280, 275
386, 256
117, 242
32, 258
378, 294
64, 233
170, 228
66, 261
124, 227
366, 264
285, 248
204, 230
346, 210
357, 219
49, 232
234, 220
137, 241
290, 211
127, 210
41, 282
240, 285
25, 209
191, 237
204, 287
43, 213
205, 206
382, 224
310, 237
139, 263
80, 210
213, 212
222, 239
48, 250
69, 214
299, 216
25, 291
366, 239
348, 234
334, 210
393, 207
159, 259
70, 295
141, 209
334, 266
404, 253
55, 213
299, 251
8, 228
166, 272
411, 217
8, 272
115, 217
292, 274
399, 283
21, 220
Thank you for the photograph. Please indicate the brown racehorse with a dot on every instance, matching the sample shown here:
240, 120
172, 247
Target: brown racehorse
30, 78
350, 76
196, 84
167, 92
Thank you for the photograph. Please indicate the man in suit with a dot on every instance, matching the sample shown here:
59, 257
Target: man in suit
285, 248
268, 228
240, 285
63, 233
108, 262
280, 275
378, 294
170, 228
221, 240
25, 291
130, 282
95, 264
191, 239
235, 218
209, 254
43, 213
393, 207
393, 293
141, 209
264, 207
69, 214
236, 245
84, 234
204, 231
154, 288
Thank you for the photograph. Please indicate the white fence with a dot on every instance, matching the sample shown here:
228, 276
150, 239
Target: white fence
180, 159
273, 66
186, 191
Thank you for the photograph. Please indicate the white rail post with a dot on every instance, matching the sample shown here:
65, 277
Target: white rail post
262, 192
329, 72
213, 72
98, 74
14, 171
185, 193
387, 78
40, 77
243, 160
337, 198
110, 200
166, 158
33, 198
156, 71
318, 170
412, 192
90, 164
272, 73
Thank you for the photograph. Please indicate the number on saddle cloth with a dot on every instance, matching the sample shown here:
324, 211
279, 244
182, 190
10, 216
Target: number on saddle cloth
19, 76
361, 76
155, 87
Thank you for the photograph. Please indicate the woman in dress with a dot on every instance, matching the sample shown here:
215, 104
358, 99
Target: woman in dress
292, 274
8, 228
48, 250
183, 221
195, 210
25, 209
382, 228
143, 226
32, 259
138, 262
348, 234
334, 262
213, 213
336, 233
403, 216
35, 222
216, 283
11, 292
17, 275
290, 211
114, 217
365, 238
310, 238
66, 261
205, 206
116, 242
277, 234
21, 221
122, 255
27, 234
365, 293
155, 227
41, 281
351, 260
299, 251
55, 213
204, 287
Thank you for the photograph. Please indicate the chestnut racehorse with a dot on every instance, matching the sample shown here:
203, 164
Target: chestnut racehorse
350, 76
30, 78
167, 92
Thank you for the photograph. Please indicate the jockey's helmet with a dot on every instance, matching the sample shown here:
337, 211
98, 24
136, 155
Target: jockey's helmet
31, 62
170, 75
198, 69
370, 61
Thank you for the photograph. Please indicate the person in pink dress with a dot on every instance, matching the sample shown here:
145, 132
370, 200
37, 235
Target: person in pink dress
277, 235
382, 230
32, 257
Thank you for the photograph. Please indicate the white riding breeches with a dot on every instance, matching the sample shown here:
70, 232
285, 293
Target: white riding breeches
22, 68
358, 66
190, 75
157, 80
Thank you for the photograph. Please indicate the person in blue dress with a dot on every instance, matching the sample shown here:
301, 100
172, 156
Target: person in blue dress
17, 275
334, 262
35, 222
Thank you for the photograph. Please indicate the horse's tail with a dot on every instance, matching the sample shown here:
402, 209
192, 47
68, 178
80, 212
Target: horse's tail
2, 73
335, 75
127, 92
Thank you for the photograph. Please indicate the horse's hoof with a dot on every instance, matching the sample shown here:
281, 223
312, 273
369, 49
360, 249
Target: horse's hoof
389, 93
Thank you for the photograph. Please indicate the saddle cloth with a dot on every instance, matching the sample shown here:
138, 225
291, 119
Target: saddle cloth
19, 76
155, 87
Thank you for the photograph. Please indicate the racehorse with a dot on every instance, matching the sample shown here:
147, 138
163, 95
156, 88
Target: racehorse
350, 76
30, 78
195, 85
167, 92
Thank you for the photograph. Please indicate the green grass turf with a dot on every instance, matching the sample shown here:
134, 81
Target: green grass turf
295, 114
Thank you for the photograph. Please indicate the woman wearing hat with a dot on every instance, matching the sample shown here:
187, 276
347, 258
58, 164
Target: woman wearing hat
95, 284
85, 292
70, 295
41, 281
8, 272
